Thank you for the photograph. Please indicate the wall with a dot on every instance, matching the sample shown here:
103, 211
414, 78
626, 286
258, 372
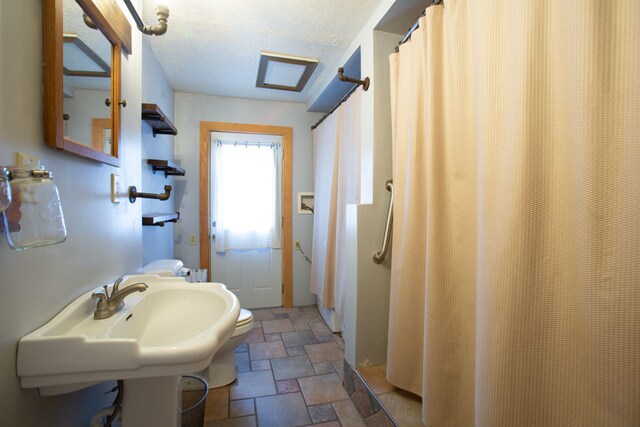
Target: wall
191, 109
157, 242
104, 240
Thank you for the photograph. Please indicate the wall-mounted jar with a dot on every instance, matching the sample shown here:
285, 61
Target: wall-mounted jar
35, 218
5, 189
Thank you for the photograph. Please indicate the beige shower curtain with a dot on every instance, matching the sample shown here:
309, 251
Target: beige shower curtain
515, 295
336, 145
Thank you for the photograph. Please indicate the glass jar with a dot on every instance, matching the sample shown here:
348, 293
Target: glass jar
5, 189
35, 217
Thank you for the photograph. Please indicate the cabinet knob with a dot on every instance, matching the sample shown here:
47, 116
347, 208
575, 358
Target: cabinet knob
107, 102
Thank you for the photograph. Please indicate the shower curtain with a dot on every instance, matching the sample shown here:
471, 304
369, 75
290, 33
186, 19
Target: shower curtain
515, 279
336, 145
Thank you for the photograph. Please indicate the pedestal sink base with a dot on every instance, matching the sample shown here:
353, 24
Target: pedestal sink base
151, 402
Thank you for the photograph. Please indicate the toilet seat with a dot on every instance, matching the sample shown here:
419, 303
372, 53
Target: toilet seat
244, 324
245, 317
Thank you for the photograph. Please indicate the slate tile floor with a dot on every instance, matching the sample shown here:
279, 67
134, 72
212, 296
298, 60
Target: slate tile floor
289, 374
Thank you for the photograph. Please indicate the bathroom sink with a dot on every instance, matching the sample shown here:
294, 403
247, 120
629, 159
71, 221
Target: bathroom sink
172, 328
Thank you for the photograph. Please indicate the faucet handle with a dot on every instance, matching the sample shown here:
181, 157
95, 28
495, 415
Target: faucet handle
116, 285
101, 297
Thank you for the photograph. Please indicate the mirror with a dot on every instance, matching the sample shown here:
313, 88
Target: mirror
82, 78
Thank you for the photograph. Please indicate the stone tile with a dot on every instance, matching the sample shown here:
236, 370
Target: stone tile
267, 350
329, 424
292, 367
313, 308
322, 389
283, 310
405, 408
257, 324
338, 365
348, 414
241, 408
376, 380
301, 326
242, 348
325, 352
217, 404
281, 316
319, 328
362, 403
254, 335
249, 421
323, 368
340, 341
242, 362
253, 384
347, 381
272, 337
260, 365
296, 351
322, 413
283, 410
262, 314
379, 419
325, 338
287, 386
273, 326
298, 338
305, 316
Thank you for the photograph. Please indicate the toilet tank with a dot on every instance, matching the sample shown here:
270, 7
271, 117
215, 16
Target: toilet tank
164, 267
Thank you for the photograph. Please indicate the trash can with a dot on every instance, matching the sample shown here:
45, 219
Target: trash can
198, 275
194, 391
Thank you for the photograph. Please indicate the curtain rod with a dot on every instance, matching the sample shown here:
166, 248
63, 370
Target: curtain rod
415, 26
335, 107
246, 143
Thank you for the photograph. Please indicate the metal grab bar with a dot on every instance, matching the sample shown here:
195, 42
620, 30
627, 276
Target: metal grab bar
378, 257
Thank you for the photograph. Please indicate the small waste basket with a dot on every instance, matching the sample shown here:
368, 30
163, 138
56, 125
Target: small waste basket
194, 392
198, 275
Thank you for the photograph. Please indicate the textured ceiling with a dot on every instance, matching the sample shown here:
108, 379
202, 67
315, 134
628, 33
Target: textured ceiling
213, 46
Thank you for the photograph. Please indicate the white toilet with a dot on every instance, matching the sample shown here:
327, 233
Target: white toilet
222, 370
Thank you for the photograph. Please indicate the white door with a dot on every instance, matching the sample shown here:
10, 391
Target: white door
246, 213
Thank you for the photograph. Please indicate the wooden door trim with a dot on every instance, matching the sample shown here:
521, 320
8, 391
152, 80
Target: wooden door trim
287, 174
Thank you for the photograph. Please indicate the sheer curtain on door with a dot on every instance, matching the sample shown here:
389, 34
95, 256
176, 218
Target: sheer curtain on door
245, 196
514, 282
336, 144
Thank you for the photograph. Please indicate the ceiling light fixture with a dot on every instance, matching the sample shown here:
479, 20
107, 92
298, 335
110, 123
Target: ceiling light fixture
284, 72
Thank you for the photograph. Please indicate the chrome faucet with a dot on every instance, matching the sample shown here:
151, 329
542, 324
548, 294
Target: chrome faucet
108, 305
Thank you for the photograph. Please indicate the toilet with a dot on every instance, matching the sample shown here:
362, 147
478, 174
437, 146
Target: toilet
222, 370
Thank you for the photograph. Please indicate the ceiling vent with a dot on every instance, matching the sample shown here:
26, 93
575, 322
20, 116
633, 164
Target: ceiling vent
284, 72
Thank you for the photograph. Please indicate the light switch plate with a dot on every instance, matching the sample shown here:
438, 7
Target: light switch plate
192, 239
115, 188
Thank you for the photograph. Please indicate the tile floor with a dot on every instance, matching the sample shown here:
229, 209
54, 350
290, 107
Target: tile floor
405, 408
289, 374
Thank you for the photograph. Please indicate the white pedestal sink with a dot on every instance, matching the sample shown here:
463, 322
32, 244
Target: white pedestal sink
171, 329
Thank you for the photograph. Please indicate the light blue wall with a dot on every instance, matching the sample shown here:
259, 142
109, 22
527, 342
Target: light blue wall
157, 241
104, 240
191, 109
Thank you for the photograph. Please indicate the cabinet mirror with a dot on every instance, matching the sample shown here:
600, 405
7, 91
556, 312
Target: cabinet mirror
82, 98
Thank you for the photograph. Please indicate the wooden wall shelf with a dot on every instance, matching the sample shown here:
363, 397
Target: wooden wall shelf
166, 166
158, 121
159, 219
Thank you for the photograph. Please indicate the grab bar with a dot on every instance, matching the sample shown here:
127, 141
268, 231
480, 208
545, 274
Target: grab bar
378, 257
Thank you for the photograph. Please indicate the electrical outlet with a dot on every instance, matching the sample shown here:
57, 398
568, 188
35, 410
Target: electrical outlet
115, 188
192, 239
27, 160
296, 244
